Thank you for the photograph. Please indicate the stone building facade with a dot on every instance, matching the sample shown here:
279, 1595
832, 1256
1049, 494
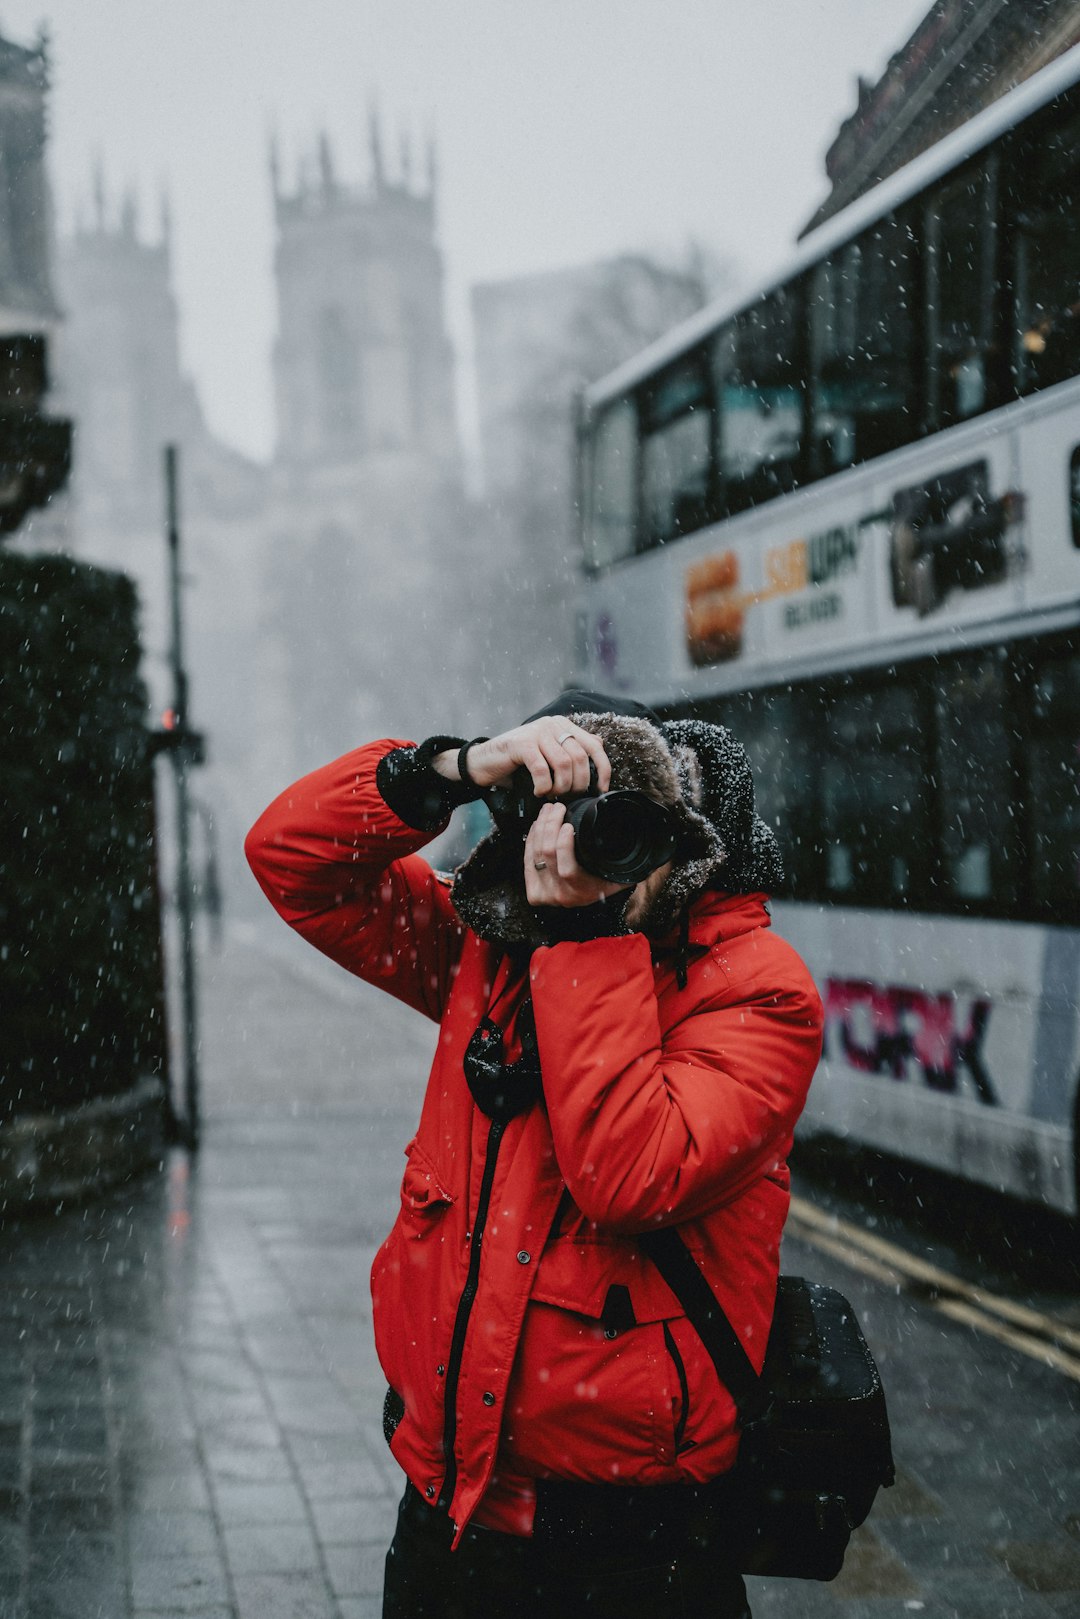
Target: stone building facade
539, 339
962, 56
35, 446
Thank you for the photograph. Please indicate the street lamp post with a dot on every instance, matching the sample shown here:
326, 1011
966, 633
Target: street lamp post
185, 747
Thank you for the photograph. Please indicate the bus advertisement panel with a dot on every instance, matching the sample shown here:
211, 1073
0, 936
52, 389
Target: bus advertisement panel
955, 1044
932, 545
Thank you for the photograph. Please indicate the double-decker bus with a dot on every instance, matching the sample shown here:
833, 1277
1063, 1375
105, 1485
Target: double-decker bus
842, 517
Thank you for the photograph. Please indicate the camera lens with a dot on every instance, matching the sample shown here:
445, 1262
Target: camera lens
621, 836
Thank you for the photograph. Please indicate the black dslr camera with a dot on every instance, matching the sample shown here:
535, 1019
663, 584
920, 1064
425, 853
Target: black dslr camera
620, 836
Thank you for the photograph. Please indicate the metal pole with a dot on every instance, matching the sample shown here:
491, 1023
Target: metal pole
180, 762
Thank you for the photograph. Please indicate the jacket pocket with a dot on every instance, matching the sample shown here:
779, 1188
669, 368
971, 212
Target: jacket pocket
583, 1405
424, 1194
680, 1402
614, 1389
594, 1390
407, 1277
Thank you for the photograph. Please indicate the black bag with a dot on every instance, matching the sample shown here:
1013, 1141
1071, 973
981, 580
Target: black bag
815, 1445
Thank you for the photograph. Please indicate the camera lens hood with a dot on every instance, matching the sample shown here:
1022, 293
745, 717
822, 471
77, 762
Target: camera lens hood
621, 836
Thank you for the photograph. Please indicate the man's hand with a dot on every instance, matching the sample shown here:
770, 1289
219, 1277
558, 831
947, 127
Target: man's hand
554, 751
552, 873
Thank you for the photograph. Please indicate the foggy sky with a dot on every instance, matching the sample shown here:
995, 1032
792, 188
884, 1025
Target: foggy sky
567, 130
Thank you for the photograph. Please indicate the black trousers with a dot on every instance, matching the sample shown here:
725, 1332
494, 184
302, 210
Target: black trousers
631, 1562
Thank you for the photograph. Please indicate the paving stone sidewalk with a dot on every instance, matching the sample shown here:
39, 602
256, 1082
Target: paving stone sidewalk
191, 1402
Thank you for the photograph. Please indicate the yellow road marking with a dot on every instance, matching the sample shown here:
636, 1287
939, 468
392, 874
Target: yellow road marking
852, 1257
1036, 1334
1035, 1347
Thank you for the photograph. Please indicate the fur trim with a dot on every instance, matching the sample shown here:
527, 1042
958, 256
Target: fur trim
727, 800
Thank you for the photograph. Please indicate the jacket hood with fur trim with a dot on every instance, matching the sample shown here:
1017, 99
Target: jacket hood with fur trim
696, 769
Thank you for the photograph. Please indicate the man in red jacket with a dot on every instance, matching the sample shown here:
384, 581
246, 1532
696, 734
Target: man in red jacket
614, 1056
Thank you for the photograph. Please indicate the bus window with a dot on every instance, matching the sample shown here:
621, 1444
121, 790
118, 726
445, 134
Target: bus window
1046, 206
1054, 788
960, 242
782, 743
973, 781
863, 357
760, 398
677, 450
873, 798
612, 492
778, 729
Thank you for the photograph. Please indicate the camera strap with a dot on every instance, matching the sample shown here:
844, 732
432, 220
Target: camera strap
702, 1308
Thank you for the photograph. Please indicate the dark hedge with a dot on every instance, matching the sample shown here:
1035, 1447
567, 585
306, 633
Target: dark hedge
80, 939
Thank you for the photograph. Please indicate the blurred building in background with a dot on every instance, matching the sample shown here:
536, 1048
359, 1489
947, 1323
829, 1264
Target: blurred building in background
123, 372
368, 545
320, 603
539, 340
35, 446
963, 55
119, 358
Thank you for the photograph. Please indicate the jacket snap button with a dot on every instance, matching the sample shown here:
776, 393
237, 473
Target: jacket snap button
524, 1256
430, 1491
440, 1371
489, 1398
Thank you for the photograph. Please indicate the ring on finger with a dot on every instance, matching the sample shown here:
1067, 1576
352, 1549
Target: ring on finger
565, 737
540, 865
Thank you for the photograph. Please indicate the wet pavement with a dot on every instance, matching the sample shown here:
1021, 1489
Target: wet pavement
190, 1410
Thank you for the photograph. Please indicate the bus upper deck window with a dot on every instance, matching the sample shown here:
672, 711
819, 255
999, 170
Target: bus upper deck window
677, 451
760, 399
960, 226
1045, 204
863, 357
612, 486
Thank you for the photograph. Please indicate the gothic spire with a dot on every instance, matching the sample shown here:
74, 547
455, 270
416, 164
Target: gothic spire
99, 193
375, 139
326, 163
129, 214
432, 166
274, 159
166, 219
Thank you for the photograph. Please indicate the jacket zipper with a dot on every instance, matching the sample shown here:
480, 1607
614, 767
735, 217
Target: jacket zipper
464, 1310
684, 1391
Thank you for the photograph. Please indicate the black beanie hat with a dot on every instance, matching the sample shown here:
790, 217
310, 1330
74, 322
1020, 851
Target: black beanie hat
573, 701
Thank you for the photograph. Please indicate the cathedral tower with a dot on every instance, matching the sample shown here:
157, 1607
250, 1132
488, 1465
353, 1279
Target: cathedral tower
368, 528
122, 363
363, 365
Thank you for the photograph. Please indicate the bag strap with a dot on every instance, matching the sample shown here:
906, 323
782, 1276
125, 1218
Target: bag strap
705, 1314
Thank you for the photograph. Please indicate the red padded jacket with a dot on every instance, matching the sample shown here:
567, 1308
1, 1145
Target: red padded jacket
492, 1294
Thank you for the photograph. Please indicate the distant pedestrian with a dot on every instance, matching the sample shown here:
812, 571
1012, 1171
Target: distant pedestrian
614, 1056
